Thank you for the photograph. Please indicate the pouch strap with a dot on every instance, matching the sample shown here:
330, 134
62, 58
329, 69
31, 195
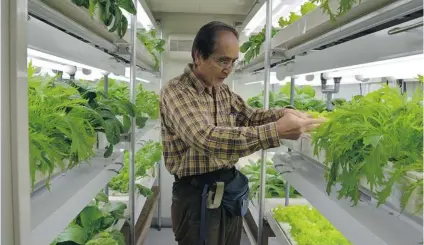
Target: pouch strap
203, 227
219, 193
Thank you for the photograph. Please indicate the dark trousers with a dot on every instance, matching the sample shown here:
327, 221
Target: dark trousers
185, 212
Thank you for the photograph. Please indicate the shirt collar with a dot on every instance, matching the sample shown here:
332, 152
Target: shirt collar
198, 85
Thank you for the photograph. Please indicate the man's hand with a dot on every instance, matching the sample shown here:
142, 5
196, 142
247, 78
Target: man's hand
294, 123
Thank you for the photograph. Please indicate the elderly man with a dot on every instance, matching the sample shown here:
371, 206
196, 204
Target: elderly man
206, 128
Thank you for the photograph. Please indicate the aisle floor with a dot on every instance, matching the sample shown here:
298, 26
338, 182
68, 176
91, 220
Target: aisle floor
166, 237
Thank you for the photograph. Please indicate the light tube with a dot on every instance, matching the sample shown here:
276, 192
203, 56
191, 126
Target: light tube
250, 83
46, 64
143, 18
405, 68
37, 54
281, 8
126, 79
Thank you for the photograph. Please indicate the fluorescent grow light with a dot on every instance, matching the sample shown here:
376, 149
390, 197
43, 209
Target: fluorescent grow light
46, 64
126, 79
144, 17
43, 60
44, 56
280, 8
273, 80
399, 68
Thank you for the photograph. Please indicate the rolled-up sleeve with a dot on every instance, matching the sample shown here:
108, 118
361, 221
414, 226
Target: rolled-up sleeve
191, 123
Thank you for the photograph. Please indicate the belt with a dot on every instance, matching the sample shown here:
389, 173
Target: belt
221, 175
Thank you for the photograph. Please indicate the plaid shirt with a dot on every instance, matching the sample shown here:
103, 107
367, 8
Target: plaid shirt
204, 129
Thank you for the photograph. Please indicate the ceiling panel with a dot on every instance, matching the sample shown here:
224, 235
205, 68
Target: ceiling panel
232, 7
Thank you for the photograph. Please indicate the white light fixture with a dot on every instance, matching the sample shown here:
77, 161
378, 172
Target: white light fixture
285, 9
143, 18
126, 79
46, 64
71, 70
273, 80
256, 82
399, 68
40, 55
93, 76
280, 8
255, 21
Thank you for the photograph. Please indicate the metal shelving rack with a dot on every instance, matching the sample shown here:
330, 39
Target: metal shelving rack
313, 44
37, 218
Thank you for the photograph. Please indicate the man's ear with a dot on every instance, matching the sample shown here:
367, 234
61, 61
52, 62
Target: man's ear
197, 58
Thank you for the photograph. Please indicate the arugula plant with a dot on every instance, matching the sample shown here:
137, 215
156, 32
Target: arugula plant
105, 111
362, 139
304, 99
94, 225
275, 184
145, 159
110, 13
251, 48
308, 226
60, 133
152, 43
343, 7
116, 89
146, 103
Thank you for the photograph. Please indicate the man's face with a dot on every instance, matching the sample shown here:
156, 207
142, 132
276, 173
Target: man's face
215, 69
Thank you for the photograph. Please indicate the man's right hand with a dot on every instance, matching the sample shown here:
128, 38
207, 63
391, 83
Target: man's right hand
294, 123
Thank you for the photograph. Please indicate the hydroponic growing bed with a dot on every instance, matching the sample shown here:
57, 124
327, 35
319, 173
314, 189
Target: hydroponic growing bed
303, 225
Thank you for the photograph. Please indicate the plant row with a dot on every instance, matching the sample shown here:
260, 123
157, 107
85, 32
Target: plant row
373, 141
377, 139
94, 225
304, 99
306, 226
65, 118
145, 159
110, 12
251, 48
275, 185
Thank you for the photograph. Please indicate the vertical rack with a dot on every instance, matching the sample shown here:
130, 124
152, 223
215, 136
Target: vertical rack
267, 66
133, 122
159, 212
287, 197
15, 184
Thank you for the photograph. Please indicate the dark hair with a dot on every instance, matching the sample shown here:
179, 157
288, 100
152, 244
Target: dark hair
205, 39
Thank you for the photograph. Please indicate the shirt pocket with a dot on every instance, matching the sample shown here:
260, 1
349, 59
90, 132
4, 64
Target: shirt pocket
227, 119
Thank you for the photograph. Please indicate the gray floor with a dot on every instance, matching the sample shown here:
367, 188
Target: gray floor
166, 237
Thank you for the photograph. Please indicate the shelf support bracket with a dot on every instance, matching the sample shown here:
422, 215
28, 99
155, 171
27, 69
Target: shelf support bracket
330, 91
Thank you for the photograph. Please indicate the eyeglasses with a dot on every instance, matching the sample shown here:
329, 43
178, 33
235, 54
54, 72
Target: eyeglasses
225, 63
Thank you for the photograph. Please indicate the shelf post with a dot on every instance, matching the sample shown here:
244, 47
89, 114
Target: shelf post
267, 66
14, 149
287, 190
133, 82
106, 90
159, 213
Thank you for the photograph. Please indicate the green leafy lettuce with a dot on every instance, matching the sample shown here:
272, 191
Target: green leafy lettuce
362, 139
308, 226
145, 159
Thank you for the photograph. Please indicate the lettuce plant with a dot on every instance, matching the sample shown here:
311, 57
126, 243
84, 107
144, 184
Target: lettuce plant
308, 226
362, 139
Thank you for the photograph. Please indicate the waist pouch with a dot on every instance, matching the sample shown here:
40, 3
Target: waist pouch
235, 199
